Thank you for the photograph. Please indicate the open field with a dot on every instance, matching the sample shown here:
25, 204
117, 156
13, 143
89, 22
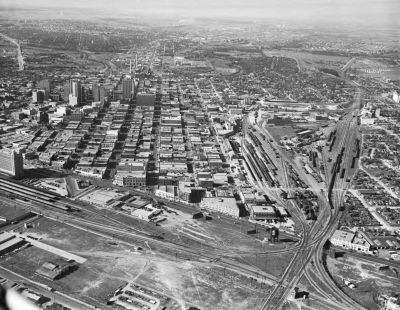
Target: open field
376, 68
10, 210
220, 62
370, 282
52, 59
280, 131
274, 264
223, 66
221, 234
111, 264
310, 60
238, 53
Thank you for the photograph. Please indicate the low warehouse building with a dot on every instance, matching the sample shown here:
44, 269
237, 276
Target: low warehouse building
355, 241
56, 269
9, 242
262, 213
226, 205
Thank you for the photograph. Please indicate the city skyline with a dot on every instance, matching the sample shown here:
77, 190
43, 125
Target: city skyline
334, 12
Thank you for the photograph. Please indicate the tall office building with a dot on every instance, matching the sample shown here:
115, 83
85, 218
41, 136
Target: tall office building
75, 96
128, 88
396, 97
37, 96
40, 95
98, 93
67, 90
102, 94
12, 162
44, 84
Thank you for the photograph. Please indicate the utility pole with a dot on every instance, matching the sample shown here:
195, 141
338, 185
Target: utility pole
265, 262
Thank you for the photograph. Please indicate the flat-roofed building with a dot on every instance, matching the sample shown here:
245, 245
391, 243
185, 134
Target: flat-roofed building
130, 178
355, 241
165, 167
145, 99
262, 212
166, 191
102, 197
225, 205
131, 173
342, 238
146, 212
282, 211
9, 242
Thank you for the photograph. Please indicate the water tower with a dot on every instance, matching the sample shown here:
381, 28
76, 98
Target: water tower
274, 234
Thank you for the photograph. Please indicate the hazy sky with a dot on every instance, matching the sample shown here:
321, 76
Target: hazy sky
367, 12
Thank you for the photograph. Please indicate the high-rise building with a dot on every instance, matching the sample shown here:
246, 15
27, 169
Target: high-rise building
76, 89
102, 94
40, 95
67, 90
46, 94
11, 162
73, 101
128, 88
98, 93
75, 96
37, 96
44, 84
43, 117
396, 97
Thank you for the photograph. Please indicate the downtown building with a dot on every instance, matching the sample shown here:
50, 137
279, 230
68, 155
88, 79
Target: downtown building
98, 93
128, 88
11, 162
75, 93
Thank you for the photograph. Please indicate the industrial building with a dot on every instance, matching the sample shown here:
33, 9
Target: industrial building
56, 269
167, 192
225, 205
262, 213
9, 215
131, 173
146, 213
9, 242
103, 197
354, 241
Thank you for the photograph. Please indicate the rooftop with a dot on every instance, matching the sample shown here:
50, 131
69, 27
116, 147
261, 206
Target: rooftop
343, 235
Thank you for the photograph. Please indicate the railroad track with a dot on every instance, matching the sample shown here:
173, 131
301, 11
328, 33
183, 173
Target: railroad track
314, 247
